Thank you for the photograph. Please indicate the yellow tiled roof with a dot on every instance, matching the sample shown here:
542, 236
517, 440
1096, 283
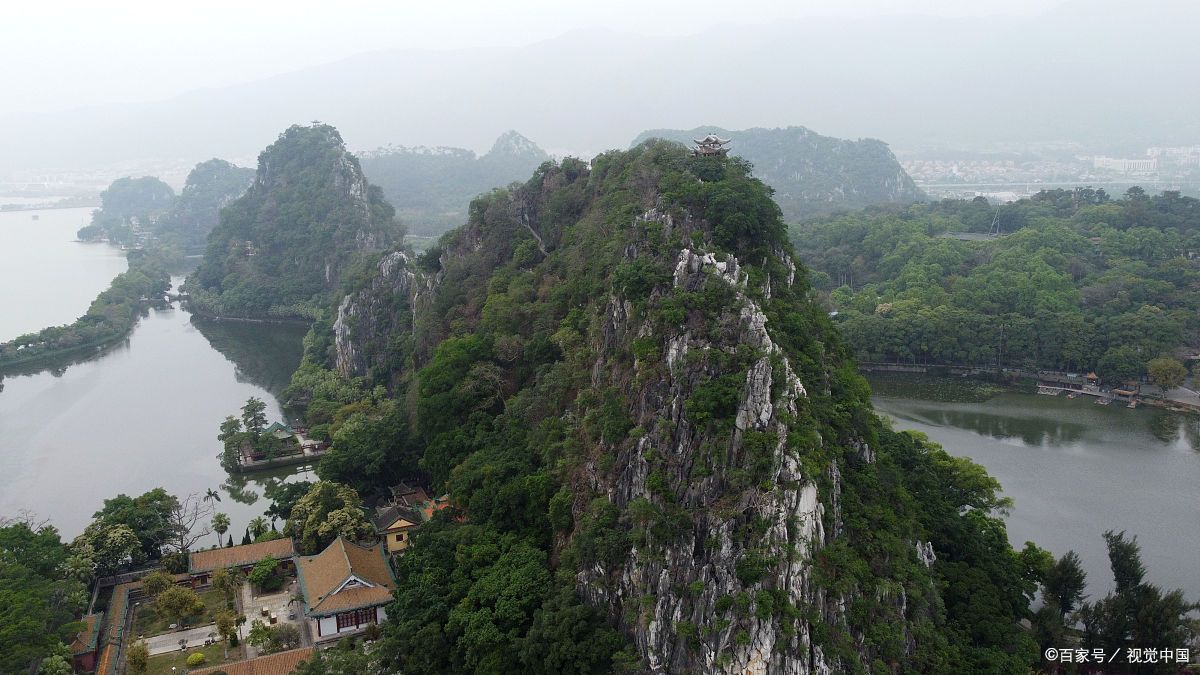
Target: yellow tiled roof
246, 554
282, 663
323, 574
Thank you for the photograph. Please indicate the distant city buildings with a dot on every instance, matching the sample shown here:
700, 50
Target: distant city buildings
1010, 173
1125, 165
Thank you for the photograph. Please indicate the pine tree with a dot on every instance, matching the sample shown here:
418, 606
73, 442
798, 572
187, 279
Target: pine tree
246, 537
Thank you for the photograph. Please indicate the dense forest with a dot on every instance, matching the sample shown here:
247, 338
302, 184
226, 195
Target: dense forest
431, 187
1066, 280
110, 316
309, 218
812, 174
195, 212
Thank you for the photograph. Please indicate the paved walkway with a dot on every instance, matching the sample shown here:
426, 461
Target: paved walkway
169, 642
1179, 394
280, 604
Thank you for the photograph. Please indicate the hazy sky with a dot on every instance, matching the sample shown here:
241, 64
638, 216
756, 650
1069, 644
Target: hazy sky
59, 54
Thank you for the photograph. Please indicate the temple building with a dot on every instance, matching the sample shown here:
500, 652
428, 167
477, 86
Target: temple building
407, 509
346, 588
711, 145
202, 564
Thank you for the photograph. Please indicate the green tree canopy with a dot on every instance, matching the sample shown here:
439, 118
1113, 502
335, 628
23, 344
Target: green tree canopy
328, 511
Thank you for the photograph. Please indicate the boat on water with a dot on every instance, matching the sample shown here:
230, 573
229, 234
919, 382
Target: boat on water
1100, 400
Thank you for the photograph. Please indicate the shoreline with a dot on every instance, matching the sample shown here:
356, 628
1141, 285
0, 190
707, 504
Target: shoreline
25, 209
937, 388
243, 319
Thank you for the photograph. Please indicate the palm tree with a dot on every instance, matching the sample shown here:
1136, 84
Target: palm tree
220, 524
258, 526
212, 495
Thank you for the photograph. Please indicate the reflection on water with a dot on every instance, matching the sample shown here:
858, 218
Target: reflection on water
264, 354
1075, 469
1007, 428
1050, 422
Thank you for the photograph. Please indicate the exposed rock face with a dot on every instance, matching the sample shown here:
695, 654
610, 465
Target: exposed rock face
367, 318
649, 587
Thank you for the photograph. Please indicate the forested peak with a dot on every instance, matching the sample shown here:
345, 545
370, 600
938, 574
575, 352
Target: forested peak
126, 203
215, 173
132, 197
285, 243
308, 155
718, 198
210, 186
651, 432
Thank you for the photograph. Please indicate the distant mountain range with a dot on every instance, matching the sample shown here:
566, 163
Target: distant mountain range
813, 174
1108, 72
431, 187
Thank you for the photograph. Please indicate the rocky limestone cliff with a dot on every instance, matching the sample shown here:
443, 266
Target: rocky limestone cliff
387, 306
647, 590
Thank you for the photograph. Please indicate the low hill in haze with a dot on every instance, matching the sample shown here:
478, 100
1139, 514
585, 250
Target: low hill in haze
431, 187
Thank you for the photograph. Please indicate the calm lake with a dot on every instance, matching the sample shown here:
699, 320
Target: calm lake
1076, 469
49, 278
141, 415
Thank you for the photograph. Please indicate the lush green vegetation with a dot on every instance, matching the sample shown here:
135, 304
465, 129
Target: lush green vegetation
177, 605
109, 318
431, 187
327, 511
307, 223
811, 174
1135, 613
1078, 282
935, 387
129, 204
210, 186
248, 433
42, 593
44, 581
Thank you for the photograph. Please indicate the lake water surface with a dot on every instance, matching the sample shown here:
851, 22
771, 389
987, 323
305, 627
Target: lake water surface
142, 414
1076, 469
48, 278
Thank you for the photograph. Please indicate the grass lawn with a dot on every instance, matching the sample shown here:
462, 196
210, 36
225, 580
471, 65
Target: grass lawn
161, 664
146, 622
